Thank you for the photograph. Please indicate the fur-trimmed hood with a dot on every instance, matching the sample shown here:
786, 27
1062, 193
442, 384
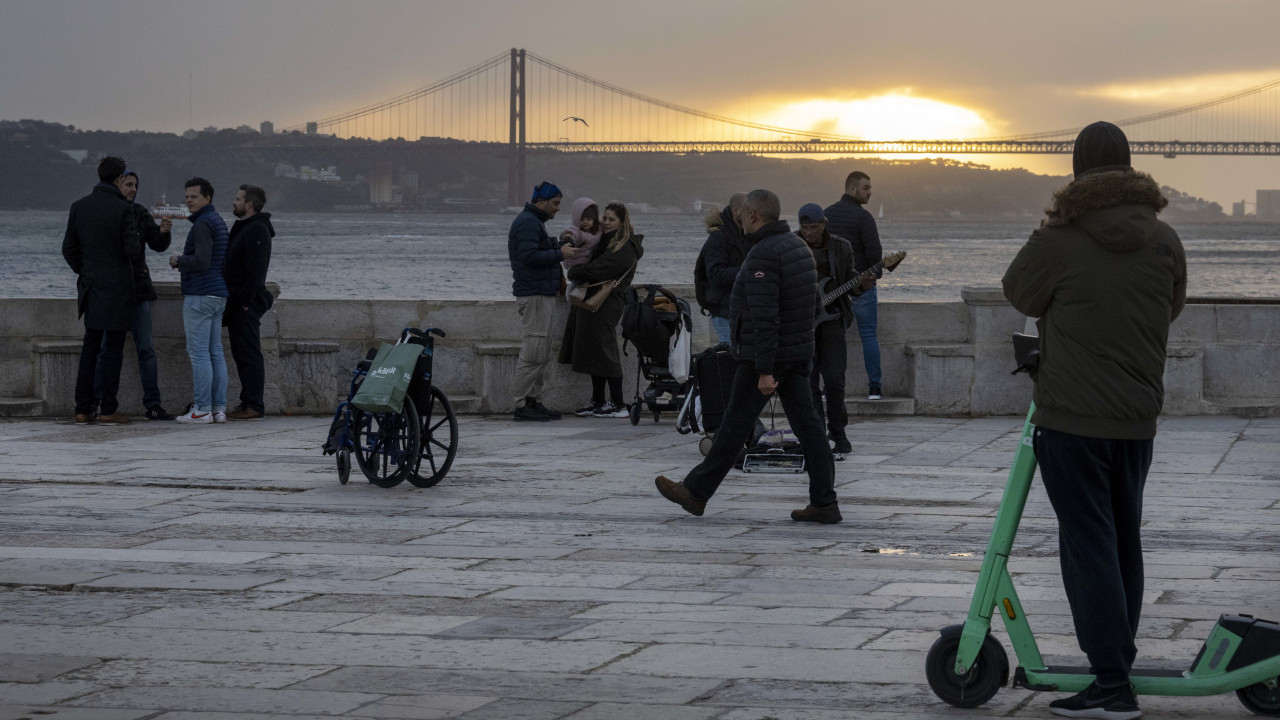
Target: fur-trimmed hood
712, 219
1117, 208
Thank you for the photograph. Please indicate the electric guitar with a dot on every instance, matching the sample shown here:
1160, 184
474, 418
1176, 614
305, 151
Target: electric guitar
829, 309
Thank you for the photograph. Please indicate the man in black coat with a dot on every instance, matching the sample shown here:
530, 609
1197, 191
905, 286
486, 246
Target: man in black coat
850, 220
771, 322
157, 238
100, 242
245, 272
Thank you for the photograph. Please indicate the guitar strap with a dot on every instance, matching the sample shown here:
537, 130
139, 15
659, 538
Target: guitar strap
831, 260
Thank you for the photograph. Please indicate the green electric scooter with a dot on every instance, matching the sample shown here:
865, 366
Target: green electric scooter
967, 666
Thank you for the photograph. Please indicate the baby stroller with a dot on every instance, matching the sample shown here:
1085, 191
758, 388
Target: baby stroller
417, 444
660, 325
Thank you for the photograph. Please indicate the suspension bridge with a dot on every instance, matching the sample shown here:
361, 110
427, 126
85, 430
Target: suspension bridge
518, 102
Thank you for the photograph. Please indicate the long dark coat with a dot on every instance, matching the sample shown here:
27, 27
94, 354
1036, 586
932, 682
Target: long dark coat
590, 341
99, 245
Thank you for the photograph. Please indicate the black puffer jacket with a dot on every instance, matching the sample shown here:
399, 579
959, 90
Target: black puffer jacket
774, 300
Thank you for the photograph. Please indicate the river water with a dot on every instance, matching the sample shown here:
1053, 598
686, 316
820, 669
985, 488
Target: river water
419, 256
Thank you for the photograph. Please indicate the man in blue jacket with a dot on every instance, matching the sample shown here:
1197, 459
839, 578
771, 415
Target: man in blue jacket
535, 266
204, 298
771, 318
848, 218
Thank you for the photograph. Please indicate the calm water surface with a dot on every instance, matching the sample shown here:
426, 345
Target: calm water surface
465, 256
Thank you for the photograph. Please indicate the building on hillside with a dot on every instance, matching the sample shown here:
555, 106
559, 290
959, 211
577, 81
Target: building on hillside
267, 128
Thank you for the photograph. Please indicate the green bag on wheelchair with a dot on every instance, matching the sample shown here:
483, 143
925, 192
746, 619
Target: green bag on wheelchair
385, 386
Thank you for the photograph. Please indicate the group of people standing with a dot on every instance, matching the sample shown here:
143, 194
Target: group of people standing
600, 248
223, 277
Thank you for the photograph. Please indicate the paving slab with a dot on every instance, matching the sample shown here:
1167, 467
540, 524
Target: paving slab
549, 580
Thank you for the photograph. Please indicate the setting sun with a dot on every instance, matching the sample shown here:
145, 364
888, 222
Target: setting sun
892, 116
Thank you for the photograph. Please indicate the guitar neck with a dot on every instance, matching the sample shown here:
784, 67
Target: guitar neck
851, 283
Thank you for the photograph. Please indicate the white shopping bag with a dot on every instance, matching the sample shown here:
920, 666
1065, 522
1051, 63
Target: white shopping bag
681, 354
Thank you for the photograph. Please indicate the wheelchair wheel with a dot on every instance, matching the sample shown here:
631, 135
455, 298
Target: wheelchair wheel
344, 465
387, 445
439, 441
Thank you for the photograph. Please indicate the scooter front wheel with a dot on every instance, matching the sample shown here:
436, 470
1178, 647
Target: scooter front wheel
989, 672
1262, 698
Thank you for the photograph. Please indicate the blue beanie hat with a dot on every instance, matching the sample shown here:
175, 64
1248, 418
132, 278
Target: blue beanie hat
545, 191
812, 213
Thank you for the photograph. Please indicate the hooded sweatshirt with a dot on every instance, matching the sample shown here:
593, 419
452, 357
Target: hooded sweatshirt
1105, 277
578, 237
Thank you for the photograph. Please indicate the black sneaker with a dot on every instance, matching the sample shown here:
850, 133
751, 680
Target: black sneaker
528, 414
155, 412
543, 409
840, 443
587, 410
1117, 703
612, 410
873, 392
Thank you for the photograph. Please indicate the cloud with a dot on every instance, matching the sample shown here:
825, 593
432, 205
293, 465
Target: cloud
1179, 90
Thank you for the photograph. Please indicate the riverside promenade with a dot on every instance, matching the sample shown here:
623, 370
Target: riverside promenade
220, 572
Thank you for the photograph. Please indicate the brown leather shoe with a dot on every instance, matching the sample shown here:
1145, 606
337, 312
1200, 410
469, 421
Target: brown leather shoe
827, 514
114, 419
83, 418
244, 413
677, 493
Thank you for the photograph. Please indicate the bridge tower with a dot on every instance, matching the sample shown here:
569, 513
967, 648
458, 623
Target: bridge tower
516, 148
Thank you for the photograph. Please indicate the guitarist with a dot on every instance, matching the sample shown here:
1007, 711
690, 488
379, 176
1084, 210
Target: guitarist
834, 258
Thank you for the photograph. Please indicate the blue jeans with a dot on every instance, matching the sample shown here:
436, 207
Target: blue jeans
202, 320
721, 326
864, 314
147, 366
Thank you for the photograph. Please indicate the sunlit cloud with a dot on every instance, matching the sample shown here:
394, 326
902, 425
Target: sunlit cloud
893, 116
1177, 91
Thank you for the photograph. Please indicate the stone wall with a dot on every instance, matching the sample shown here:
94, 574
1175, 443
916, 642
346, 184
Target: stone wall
950, 358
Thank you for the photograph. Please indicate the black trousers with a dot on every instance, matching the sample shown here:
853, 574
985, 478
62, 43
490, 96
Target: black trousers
1095, 486
244, 332
745, 403
110, 344
830, 358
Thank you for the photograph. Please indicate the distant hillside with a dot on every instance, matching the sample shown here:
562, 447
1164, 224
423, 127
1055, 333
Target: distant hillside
40, 175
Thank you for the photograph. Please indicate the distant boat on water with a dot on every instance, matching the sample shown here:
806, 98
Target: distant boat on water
881, 216
162, 210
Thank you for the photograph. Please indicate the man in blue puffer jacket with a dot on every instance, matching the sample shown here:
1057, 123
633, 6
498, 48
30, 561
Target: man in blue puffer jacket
772, 309
535, 266
204, 298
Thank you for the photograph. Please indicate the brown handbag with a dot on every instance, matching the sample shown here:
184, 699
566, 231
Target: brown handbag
589, 299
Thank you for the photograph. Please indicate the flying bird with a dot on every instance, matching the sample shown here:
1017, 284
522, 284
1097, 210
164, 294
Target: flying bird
575, 119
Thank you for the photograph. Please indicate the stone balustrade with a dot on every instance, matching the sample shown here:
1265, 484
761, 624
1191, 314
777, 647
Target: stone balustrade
938, 358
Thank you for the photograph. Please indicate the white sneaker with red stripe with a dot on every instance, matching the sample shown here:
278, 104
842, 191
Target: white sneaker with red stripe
197, 418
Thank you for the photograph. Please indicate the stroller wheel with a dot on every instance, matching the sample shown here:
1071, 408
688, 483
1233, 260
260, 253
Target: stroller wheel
635, 413
656, 415
704, 445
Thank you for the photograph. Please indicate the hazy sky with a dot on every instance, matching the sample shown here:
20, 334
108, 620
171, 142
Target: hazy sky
1019, 66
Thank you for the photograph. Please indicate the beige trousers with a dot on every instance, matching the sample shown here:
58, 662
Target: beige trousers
535, 345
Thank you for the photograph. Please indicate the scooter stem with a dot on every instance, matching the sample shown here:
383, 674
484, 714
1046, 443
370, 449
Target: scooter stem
992, 577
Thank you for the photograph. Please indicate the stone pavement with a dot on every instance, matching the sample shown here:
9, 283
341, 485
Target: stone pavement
221, 572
